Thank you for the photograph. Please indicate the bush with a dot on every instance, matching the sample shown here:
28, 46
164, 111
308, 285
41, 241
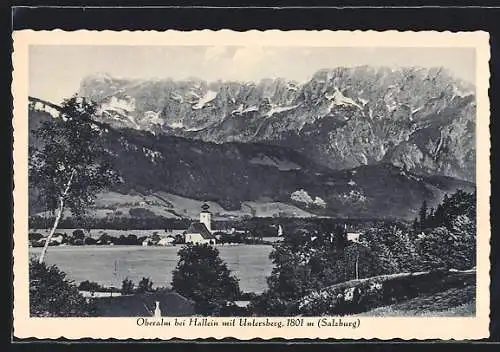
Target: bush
35, 236
105, 239
52, 295
89, 241
78, 234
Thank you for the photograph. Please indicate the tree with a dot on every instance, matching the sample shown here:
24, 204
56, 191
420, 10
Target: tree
52, 295
179, 239
202, 276
90, 286
70, 165
128, 287
78, 234
415, 225
451, 240
452, 243
390, 249
306, 260
145, 285
423, 213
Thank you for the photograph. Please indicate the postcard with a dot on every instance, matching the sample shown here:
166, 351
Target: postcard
259, 184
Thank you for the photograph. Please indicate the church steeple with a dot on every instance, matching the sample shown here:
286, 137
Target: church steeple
205, 207
206, 216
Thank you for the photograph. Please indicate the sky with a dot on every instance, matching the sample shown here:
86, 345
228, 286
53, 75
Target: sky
56, 71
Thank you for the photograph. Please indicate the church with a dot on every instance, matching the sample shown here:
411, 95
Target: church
201, 232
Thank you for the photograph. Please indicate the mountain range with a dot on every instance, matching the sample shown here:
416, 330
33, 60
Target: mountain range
422, 120
350, 142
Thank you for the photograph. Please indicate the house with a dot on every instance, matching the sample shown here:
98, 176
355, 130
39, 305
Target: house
353, 236
201, 232
166, 241
197, 233
58, 238
174, 232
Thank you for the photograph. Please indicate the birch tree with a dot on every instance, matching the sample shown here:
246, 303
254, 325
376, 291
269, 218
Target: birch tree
70, 166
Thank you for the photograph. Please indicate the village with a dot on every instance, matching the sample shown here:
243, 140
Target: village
198, 232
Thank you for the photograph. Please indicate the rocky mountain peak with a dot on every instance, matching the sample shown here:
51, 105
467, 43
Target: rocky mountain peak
342, 117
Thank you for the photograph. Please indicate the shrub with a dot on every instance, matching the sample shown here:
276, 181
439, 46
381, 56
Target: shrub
78, 234
35, 236
89, 241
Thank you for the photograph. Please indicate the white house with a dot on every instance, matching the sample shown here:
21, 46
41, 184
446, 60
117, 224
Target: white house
201, 232
353, 236
166, 241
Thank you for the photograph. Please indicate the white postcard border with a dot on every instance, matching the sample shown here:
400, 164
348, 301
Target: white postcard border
369, 328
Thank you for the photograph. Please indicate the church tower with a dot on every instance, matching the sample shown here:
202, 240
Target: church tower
206, 216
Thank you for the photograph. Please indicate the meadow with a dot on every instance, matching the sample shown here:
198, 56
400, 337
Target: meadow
110, 265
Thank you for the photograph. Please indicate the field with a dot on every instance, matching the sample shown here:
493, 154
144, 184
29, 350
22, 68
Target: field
110, 265
172, 206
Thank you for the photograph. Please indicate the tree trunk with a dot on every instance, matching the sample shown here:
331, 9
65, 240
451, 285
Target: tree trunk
53, 230
58, 217
357, 267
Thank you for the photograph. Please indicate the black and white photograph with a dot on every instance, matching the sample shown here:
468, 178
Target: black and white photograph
225, 180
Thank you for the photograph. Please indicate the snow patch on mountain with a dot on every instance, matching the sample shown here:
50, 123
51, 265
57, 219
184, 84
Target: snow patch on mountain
238, 110
363, 101
176, 124
301, 196
208, 97
119, 105
241, 110
177, 98
250, 108
338, 98
154, 117
278, 109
